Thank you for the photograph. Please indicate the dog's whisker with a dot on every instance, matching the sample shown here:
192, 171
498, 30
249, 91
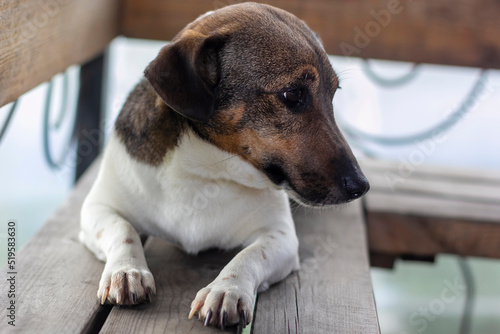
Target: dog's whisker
309, 210
347, 74
340, 74
231, 157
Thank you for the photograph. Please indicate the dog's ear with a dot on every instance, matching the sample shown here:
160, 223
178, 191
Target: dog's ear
185, 73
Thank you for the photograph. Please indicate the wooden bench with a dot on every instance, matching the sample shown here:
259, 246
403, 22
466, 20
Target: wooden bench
57, 277
426, 210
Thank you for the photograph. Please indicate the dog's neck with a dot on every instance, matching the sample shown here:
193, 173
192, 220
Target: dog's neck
154, 134
203, 159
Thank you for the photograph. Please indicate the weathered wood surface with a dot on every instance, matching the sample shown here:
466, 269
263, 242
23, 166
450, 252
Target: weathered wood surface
440, 31
426, 210
391, 233
39, 39
178, 278
57, 277
332, 293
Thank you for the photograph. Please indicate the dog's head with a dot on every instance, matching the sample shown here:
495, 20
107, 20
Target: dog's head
255, 81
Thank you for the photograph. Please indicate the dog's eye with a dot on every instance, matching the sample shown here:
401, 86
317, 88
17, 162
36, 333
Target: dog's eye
294, 97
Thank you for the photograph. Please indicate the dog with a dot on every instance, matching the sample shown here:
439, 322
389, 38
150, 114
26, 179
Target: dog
233, 117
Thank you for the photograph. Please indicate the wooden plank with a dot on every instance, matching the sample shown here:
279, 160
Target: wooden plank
39, 39
405, 169
448, 32
473, 185
394, 234
430, 191
433, 187
432, 210
332, 290
426, 206
332, 293
382, 260
57, 277
178, 278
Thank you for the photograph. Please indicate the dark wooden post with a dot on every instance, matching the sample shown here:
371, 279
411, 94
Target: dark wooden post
88, 133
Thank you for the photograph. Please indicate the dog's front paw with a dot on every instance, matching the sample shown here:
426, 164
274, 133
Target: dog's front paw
126, 286
223, 304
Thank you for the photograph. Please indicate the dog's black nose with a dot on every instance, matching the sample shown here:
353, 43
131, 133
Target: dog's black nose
356, 186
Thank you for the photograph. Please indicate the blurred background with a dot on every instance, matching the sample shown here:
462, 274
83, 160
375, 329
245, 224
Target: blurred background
377, 99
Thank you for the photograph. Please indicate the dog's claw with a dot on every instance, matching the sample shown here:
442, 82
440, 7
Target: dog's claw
150, 294
104, 296
127, 286
223, 320
194, 309
134, 298
243, 318
118, 298
208, 318
223, 306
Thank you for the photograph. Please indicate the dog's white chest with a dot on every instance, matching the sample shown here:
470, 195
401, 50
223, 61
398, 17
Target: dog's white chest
200, 197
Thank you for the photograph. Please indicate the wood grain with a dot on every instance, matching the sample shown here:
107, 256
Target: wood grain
178, 278
57, 277
332, 293
394, 234
441, 31
39, 39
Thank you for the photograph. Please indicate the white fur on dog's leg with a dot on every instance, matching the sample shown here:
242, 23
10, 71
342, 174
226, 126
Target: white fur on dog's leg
126, 279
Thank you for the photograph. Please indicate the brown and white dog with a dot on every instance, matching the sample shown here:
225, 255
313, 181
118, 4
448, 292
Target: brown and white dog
234, 114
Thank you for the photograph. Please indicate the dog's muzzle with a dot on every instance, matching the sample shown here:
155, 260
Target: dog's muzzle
318, 190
